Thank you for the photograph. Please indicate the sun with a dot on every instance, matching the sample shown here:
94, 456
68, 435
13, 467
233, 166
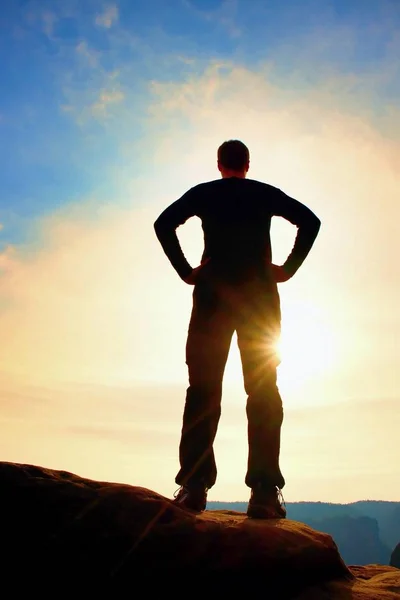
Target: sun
306, 348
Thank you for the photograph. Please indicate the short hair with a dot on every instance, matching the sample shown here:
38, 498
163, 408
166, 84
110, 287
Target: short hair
234, 155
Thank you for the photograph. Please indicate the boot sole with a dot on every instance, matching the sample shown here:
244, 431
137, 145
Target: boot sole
189, 508
260, 512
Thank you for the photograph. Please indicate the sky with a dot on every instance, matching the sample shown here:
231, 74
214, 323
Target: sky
111, 111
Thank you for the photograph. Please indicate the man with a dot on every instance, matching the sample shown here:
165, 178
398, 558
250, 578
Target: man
235, 289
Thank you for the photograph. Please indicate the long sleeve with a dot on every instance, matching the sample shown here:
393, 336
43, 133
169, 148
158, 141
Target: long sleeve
165, 227
308, 227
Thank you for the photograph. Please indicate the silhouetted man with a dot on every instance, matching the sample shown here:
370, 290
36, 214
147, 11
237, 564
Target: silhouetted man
235, 289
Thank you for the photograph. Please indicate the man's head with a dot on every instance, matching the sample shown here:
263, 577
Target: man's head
233, 159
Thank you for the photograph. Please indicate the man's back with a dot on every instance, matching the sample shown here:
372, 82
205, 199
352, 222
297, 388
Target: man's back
236, 217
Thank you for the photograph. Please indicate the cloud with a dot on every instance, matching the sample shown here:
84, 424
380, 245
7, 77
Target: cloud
108, 17
224, 15
91, 271
99, 105
1, 226
49, 20
7, 257
90, 55
114, 433
107, 98
99, 96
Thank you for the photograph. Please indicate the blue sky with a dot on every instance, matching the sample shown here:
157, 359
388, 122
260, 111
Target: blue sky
108, 113
57, 58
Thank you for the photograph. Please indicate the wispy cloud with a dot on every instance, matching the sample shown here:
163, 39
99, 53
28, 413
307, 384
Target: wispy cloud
90, 90
223, 15
99, 105
90, 55
49, 20
106, 100
108, 17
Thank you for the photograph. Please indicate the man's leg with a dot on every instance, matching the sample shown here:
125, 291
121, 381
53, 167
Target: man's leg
258, 331
207, 349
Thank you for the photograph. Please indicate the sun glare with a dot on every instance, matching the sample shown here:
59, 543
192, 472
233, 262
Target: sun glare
306, 348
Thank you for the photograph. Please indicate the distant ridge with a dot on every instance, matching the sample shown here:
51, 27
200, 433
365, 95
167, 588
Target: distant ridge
366, 531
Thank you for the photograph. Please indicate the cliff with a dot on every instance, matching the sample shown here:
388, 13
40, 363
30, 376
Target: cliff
59, 527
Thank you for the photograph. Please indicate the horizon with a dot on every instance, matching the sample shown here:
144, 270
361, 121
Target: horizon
109, 114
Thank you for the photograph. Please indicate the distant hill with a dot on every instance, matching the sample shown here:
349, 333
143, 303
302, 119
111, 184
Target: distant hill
366, 531
395, 558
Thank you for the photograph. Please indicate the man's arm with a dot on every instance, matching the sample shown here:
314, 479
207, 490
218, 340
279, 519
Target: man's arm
165, 227
308, 227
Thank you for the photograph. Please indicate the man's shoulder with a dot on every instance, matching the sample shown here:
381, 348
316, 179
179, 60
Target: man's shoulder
245, 182
262, 185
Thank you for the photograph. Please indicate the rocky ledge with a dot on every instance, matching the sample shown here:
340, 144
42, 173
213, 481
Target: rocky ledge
59, 527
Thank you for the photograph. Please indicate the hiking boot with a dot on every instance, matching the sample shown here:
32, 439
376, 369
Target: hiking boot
191, 498
266, 503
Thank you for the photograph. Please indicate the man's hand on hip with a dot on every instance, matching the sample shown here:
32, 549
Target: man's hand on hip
193, 277
279, 273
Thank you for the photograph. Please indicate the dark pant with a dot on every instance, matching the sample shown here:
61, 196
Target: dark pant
252, 309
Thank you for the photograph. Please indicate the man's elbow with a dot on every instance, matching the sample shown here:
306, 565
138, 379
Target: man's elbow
163, 228
313, 224
310, 228
158, 226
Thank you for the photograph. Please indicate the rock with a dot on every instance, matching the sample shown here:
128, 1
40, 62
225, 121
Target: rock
395, 558
372, 582
59, 527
